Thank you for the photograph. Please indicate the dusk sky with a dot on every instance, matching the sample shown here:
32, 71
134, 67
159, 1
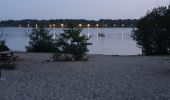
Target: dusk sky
77, 9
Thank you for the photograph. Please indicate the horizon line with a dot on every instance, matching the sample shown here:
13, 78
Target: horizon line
74, 19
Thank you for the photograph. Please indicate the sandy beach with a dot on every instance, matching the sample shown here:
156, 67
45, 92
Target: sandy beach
100, 78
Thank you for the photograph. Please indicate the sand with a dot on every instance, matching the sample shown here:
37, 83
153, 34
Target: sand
100, 78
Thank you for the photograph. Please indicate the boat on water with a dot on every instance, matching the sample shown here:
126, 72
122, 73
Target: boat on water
101, 34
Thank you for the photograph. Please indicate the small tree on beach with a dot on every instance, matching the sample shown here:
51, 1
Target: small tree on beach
72, 43
7, 64
41, 40
3, 46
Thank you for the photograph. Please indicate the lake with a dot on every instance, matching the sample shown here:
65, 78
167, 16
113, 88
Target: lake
117, 41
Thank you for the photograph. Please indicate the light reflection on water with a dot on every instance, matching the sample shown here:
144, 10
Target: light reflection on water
117, 41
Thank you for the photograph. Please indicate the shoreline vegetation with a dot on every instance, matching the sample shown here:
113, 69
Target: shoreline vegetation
63, 23
68, 46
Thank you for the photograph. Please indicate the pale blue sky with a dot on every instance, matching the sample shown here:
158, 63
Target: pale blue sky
76, 9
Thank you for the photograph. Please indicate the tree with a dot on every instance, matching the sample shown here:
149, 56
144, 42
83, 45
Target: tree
3, 46
41, 40
167, 24
71, 43
152, 32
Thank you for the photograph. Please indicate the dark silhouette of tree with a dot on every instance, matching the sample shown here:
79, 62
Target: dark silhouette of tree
167, 25
3, 46
41, 40
72, 43
152, 32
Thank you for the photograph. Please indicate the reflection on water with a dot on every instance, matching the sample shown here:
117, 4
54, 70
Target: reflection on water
117, 41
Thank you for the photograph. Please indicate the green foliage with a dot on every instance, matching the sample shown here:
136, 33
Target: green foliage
152, 33
71, 44
40, 40
3, 46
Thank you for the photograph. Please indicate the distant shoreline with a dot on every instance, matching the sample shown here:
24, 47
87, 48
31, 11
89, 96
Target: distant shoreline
66, 27
62, 23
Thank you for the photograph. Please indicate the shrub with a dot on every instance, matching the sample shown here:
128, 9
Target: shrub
152, 33
41, 40
3, 46
71, 44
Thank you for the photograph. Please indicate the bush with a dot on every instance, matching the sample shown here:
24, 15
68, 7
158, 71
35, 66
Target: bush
40, 40
152, 33
71, 45
3, 46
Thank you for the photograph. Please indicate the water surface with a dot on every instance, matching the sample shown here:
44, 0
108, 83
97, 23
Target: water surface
117, 41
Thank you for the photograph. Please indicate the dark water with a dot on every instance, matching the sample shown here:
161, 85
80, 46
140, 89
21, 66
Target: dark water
117, 41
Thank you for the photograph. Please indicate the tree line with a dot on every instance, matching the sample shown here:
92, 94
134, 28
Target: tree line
64, 23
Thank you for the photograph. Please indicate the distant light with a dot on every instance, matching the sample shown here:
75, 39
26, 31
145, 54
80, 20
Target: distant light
88, 25
28, 25
50, 25
97, 25
123, 25
62, 25
114, 25
36, 25
80, 25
